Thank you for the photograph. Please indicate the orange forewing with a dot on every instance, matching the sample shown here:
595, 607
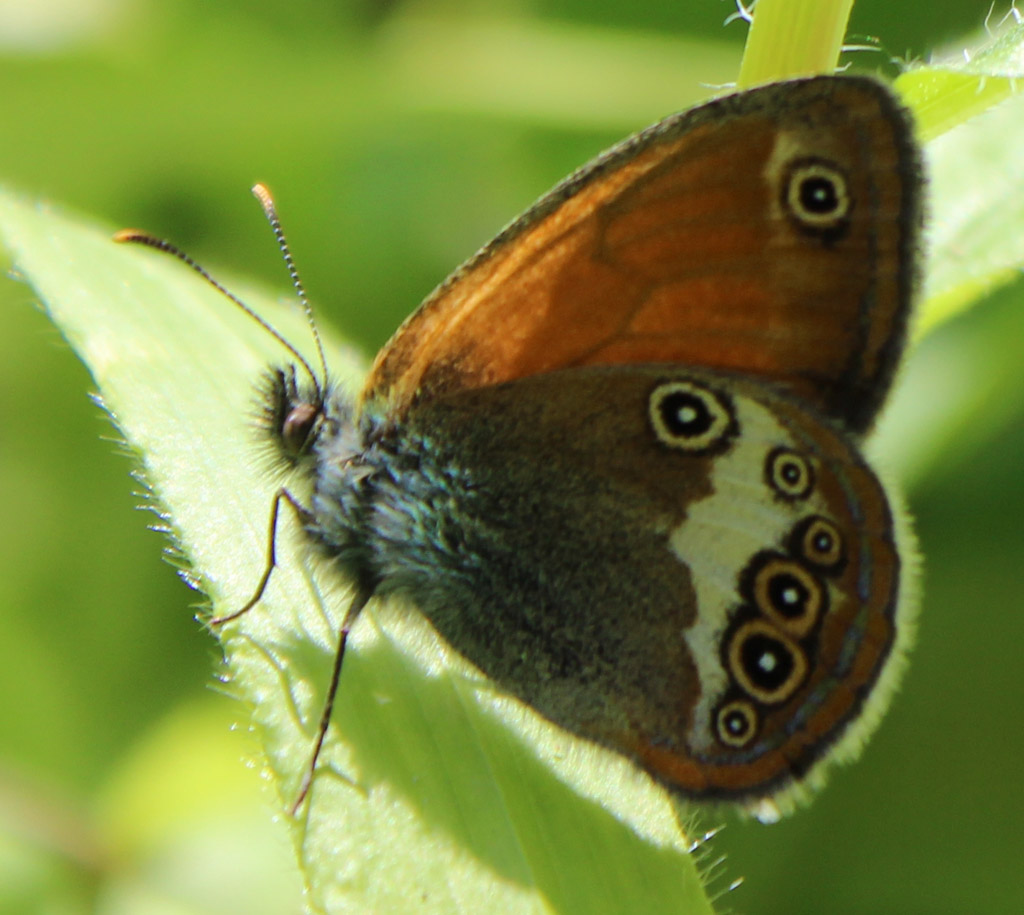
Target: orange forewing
674, 247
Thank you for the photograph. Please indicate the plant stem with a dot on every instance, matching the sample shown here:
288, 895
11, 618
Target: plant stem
790, 38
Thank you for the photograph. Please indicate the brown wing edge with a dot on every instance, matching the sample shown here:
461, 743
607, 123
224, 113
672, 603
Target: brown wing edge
856, 401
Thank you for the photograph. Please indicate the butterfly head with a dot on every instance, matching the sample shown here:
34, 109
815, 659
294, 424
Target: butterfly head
291, 413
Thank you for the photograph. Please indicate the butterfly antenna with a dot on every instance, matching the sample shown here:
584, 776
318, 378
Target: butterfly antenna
262, 194
138, 237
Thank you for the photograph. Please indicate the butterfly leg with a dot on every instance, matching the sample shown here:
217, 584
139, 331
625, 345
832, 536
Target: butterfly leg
359, 600
305, 516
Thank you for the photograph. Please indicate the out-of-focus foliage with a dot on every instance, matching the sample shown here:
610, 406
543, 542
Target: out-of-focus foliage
397, 138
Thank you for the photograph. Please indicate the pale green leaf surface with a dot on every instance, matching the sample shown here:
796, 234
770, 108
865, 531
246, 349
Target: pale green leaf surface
433, 792
975, 243
973, 117
949, 91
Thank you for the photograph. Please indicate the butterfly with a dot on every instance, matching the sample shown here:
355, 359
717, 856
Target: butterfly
615, 458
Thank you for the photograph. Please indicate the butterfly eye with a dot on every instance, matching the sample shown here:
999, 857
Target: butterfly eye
767, 665
816, 197
736, 723
297, 427
290, 414
820, 543
789, 595
691, 417
789, 474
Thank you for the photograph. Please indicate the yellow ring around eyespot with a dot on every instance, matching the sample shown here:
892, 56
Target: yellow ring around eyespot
810, 552
749, 714
809, 171
784, 690
779, 461
720, 416
796, 626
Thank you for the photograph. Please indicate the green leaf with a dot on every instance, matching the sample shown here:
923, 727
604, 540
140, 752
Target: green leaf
433, 792
948, 92
974, 118
976, 236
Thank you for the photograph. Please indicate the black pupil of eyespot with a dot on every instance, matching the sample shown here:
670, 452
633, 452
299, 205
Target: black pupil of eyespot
791, 472
686, 414
788, 594
767, 661
818, 195
823, 542
736, 724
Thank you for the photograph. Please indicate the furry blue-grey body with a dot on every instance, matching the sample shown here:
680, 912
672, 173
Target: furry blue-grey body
385, 506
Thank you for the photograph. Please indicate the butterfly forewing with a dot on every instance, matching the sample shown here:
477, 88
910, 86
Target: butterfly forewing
771, 232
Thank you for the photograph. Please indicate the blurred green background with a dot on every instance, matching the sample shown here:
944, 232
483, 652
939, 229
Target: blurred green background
398, 137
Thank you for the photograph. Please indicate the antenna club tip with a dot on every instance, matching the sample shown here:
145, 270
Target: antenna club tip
262, 193
129, 235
